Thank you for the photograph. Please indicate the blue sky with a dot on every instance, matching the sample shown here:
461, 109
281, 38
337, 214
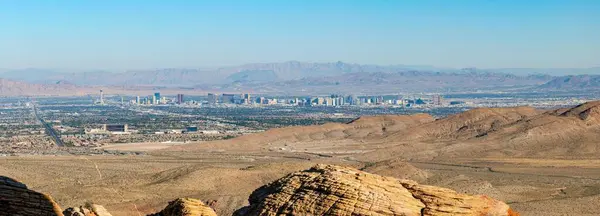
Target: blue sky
122, 34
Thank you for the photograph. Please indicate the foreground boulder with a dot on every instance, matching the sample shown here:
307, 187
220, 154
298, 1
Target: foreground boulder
335, 190
87, 210
442, 201
186, 207
17, 200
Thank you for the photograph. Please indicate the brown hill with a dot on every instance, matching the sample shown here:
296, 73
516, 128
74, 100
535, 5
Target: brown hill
364, 128
469, 124
483, 132
515, 132
560, 133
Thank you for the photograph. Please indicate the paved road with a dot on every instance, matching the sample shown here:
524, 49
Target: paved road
49, 129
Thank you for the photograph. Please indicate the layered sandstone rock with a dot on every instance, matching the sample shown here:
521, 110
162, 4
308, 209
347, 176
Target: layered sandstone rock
186, 207
334, 190
446, 202
87, 210
17, 200
321, 190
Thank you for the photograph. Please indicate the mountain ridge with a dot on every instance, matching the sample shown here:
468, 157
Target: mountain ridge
294, 77
288, 70
517, 132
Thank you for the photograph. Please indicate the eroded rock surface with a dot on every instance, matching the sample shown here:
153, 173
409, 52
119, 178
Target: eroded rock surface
87, 210
446, 202
320, 190
335, 190
17, 200
186, 207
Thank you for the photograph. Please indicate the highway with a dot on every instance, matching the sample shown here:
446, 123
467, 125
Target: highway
49, 128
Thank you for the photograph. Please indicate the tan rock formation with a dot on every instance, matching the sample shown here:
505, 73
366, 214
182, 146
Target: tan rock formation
335, 190
446, 202
186, 207
87, 210
17, 200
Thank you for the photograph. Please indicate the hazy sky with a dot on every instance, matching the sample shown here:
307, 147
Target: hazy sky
121, 34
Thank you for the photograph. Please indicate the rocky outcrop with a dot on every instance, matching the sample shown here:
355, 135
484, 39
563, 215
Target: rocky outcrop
17, 200
186, 207
442, 201
321, 190
335, 190
87, 210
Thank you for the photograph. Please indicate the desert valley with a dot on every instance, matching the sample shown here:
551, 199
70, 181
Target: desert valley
539, 162
299, 108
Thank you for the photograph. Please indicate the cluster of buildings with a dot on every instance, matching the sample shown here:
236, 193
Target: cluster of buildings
156, 99
332, 100
117, 129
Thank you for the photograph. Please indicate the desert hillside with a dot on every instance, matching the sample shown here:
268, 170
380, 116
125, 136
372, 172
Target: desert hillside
539, 162
483, 132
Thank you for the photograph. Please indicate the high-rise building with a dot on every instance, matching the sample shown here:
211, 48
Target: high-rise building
340, 101
101, 97
137, 100
247, 98
261, 100
228, 98
437, 100
179, 98
212, 98
350, 100
320, 101
156, 98
308, 101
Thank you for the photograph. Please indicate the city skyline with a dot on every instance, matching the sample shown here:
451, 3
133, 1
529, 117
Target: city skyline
116, 35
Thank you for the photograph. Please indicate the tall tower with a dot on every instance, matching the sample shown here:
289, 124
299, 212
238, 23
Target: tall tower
101, 97
247, 98
179, 98
437, 100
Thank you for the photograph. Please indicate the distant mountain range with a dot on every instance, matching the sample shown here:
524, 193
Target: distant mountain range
17, 88
392, 83
295, 77
573, 82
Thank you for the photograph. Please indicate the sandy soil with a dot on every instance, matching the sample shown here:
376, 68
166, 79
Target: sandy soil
127, 185
145, 146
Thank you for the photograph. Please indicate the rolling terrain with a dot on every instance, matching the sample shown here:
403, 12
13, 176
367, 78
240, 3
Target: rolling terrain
540, 162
